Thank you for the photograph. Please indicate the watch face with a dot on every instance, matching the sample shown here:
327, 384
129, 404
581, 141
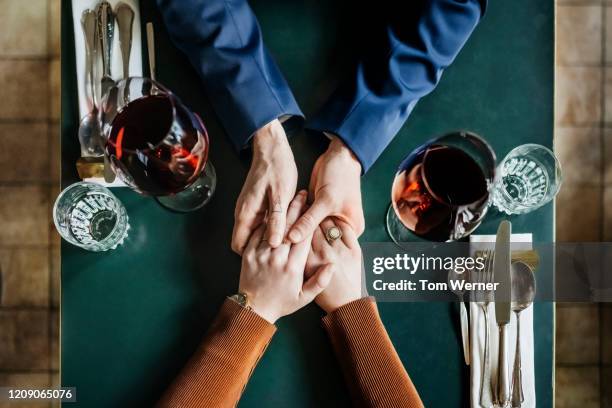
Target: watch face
240, 298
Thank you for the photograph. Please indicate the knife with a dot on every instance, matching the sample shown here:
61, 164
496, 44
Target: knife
106, 32
501, 270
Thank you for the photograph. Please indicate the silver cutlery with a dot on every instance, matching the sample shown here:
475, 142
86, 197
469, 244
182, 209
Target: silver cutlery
523, 293
501, 267
125, 20
151, 50
106, 32
465, 335
483, 299
89, 129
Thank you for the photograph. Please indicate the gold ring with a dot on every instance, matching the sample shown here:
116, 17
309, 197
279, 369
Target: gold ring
332, 234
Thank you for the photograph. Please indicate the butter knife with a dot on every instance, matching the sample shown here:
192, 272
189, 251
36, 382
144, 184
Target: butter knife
501, 268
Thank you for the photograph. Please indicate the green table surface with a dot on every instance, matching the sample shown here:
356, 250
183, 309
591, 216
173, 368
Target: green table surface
130, 318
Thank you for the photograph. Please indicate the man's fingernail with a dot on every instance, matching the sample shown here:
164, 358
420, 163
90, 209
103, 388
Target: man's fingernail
295, 236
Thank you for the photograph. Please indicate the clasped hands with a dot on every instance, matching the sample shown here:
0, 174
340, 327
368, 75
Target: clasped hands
286, 259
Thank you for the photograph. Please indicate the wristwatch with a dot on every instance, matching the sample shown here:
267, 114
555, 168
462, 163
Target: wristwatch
242, 299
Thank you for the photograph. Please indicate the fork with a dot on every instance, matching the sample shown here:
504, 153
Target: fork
483, 298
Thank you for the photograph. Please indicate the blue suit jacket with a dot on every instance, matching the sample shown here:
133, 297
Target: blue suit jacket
224, 43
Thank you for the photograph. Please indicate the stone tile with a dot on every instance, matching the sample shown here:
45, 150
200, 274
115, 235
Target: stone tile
25, 380
579, 34
55, 271
607, 215
54, 154
54, 89
608, 38
54, 27
607, 155
56, 382
54, 237
54, 341
24, 215
25, 89
25, 153
578, 2
578, 99
577, 334
579, 150
577, 387
606, 333
608, 96
606, 395
576, 202
24, 28
24, 340
25, 277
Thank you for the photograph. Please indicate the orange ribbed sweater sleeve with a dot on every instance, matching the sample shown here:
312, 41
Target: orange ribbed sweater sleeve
218, 372
372, 369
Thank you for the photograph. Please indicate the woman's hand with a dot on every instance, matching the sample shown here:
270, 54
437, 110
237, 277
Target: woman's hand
268, 188
335, 190
273, 278
344, 256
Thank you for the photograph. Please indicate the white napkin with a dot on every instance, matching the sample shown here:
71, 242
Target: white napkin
78, 6
477, 338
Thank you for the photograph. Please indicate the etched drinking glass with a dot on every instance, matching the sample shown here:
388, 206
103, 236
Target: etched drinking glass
89, 215
528, 177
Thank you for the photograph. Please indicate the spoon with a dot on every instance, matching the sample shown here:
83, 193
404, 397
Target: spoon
89, 128
523, 293
125, 19
106, 33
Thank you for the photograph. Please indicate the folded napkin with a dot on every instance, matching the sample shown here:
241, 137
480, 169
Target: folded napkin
78, 6
477, 338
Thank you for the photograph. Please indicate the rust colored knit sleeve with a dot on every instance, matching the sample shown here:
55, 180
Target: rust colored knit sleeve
372, 369
218, 371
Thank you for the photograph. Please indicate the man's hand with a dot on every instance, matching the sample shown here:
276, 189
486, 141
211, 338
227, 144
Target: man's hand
268, 188
273, 278
344, 257
335, 190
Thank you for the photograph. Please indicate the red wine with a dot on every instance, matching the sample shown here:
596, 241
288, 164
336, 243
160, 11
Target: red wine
158, 145
440, 194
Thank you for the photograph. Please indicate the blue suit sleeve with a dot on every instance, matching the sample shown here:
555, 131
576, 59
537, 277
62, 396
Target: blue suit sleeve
223, 41
368, 110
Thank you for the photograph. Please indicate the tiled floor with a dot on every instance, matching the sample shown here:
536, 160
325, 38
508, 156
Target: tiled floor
29, 175
583, 141
29, 179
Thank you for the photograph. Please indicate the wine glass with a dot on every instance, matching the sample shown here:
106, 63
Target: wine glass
441, 190
156, 145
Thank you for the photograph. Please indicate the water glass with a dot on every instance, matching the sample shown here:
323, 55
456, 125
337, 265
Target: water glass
88, 215
528, 177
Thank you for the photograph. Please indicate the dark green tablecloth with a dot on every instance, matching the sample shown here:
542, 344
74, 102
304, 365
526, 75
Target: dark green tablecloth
130, 318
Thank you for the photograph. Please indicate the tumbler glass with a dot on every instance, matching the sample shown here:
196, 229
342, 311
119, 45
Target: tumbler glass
88, 215
528, 177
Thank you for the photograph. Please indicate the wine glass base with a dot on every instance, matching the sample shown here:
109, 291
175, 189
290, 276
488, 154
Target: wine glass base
194, 197
398, 233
